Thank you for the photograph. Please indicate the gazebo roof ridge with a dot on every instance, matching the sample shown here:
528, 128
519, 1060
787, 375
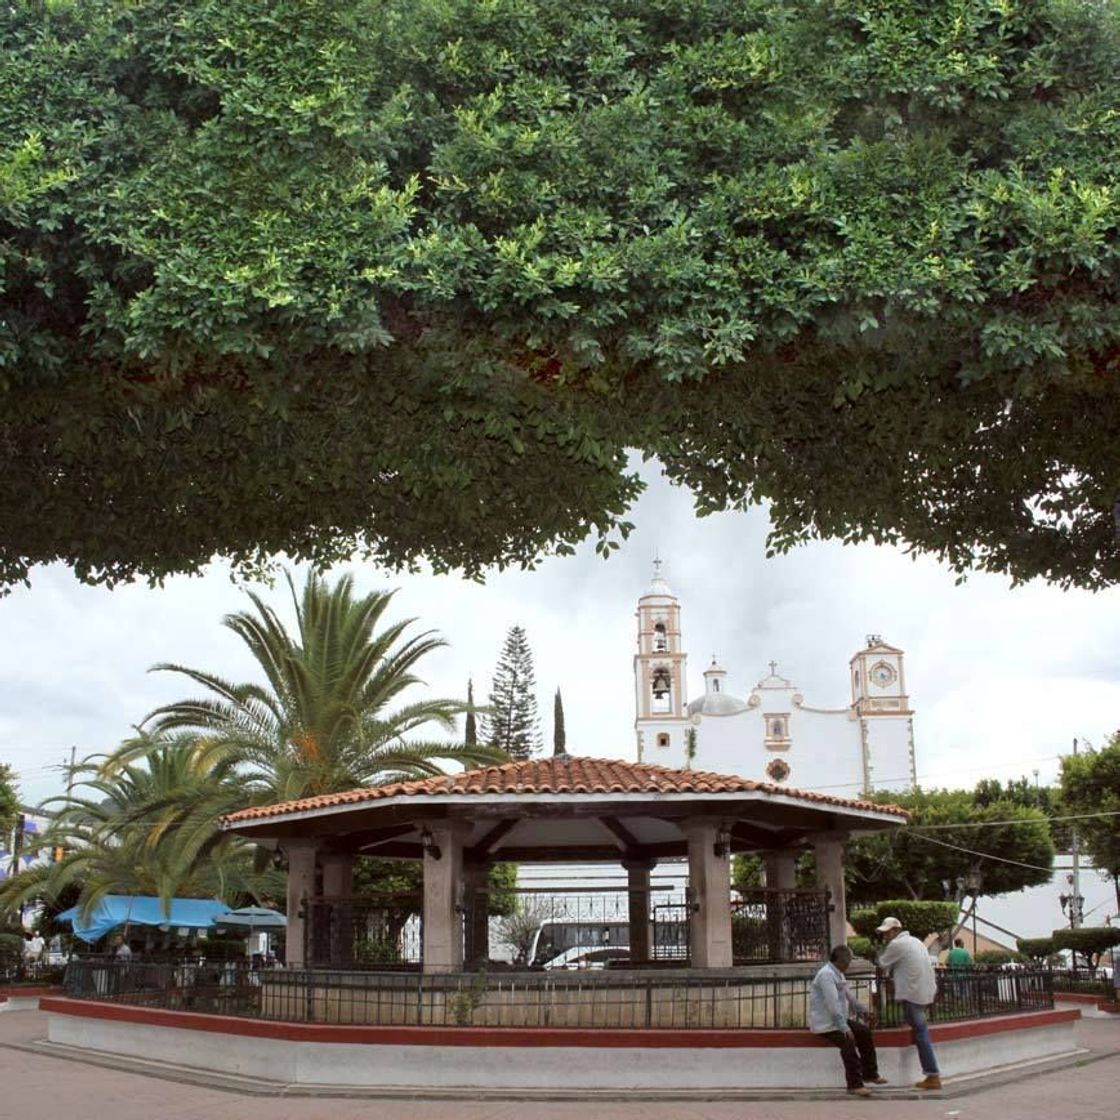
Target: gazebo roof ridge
557, 775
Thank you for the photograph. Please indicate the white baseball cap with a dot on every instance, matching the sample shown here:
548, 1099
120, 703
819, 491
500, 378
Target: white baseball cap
889, 923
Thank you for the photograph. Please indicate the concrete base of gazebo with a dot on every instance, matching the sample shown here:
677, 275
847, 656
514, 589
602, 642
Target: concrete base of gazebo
563, 1062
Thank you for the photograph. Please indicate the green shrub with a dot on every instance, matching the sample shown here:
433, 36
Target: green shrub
919, 918
864, 922
11, 950
862, 947
1036, 948
378, 950
1090, 941
997, 956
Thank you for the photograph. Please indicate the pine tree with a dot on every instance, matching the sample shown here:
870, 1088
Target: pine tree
470, 739
513, 724
559, 738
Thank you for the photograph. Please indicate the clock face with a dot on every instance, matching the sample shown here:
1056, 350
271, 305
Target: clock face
882, 674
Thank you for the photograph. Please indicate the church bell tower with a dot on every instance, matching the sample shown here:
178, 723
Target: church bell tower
659, 676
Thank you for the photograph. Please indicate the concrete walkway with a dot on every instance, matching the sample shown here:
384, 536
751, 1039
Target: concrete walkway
33, 1084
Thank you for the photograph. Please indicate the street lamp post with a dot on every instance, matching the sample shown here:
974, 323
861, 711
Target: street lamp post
1073, 904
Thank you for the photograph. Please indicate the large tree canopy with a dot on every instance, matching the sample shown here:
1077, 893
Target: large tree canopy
410, 276
1090, 785
954, 846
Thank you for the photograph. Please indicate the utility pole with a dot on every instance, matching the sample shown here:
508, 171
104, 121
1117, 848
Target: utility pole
1076, 901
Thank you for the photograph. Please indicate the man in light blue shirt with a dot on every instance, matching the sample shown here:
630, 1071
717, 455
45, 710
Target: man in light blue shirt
836, 1014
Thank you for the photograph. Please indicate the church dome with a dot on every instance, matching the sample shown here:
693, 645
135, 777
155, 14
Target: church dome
716, 704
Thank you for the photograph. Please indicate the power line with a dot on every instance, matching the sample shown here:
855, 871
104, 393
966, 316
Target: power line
1020, 820
983, 855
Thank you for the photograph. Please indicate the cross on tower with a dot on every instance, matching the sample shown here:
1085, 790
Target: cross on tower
657, 562
773, 668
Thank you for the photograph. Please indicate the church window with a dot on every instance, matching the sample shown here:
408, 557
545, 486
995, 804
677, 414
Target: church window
715, 686
777, 730
663, 740
661, 690
660, 639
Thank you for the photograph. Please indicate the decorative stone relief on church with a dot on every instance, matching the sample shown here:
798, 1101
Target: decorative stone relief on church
777, 770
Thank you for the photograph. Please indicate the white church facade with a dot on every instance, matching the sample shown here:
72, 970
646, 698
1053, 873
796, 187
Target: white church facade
772, 734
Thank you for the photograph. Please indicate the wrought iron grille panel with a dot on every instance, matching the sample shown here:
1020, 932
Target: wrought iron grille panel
772, 927
672, 931
373, 931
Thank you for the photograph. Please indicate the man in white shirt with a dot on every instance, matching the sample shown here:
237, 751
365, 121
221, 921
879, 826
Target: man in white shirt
836, 1014
906, 960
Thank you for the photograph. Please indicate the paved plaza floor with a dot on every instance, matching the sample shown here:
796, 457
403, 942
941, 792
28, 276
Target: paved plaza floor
33, 1084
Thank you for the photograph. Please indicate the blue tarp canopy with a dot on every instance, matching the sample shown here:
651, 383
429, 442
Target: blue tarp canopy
116, 910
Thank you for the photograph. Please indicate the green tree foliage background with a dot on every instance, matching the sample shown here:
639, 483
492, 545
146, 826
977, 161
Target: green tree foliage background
9, 800
1090, 784
512, 724
927, 860
559, 735
408, 277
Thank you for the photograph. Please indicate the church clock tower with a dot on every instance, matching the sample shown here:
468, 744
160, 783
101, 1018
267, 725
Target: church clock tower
886, 721
659, 676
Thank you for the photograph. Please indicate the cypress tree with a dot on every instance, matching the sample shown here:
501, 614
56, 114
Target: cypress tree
470, 739
559, 738
513, 724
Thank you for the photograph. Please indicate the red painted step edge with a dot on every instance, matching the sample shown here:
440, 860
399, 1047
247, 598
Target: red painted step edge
40, 991
527, 1037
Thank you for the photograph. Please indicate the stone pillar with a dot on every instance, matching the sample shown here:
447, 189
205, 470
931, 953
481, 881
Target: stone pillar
443, 927
338, 874
829, 848
781, 870
301, 886
338, 886
781, 875
637, 882
709, 880
476, 902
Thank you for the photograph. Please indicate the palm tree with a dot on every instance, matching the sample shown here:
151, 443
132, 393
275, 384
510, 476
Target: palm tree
144, 827
325, 720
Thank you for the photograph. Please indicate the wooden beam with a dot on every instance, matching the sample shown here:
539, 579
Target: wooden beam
357, 842
749, 836
626, 840
485, 847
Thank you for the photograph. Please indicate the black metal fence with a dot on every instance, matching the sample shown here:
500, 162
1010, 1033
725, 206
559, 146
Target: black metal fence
668, 999
973, 994
1085, 981
772, 926
31, 973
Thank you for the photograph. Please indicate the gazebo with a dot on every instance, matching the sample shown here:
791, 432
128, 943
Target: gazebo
702, 1024
563, 809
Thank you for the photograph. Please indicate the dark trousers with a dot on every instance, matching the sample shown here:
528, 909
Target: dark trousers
860, 1061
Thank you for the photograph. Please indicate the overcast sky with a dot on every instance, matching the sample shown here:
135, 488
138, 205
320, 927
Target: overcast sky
1001, 679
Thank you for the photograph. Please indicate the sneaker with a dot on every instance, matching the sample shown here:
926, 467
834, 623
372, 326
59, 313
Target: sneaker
930, 1081
876, 1080
862, 1091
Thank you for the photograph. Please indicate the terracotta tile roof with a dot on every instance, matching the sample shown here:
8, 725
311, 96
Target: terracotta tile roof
563, 774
